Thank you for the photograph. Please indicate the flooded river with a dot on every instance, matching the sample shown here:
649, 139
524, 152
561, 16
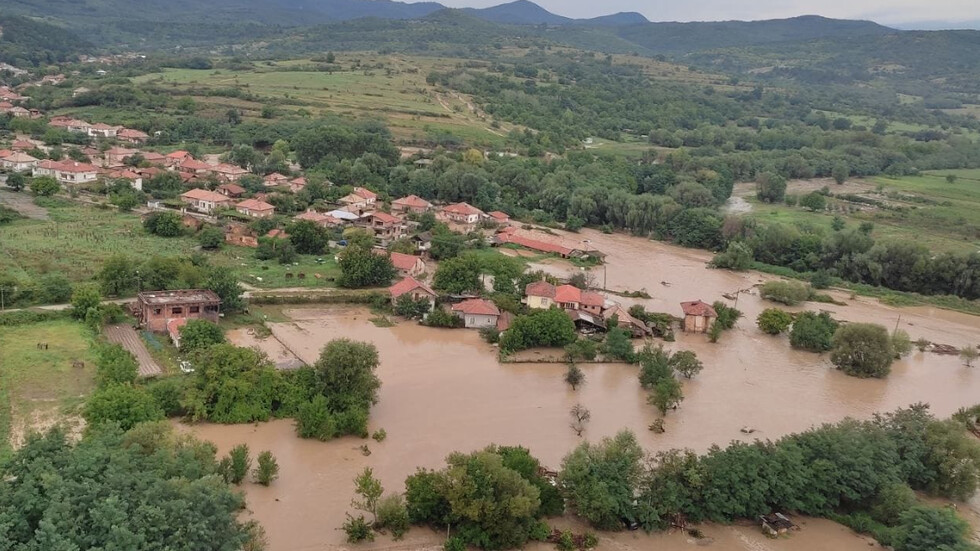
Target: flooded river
443, 390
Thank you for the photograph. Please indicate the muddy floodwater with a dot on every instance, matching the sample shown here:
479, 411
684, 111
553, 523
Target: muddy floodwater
444, 390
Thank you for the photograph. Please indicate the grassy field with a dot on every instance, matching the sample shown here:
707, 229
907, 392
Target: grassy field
77, 240
925, 209
40, 386
389, 87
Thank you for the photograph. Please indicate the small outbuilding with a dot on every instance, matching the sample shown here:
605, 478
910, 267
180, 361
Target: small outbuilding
698, 316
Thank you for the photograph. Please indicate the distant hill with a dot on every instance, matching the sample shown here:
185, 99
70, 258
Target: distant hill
26, 43
520, 12
615, 20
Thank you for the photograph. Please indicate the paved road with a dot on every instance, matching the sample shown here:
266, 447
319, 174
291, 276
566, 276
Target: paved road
126, 336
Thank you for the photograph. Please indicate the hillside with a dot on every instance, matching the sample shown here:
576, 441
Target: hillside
520, 12
25, 42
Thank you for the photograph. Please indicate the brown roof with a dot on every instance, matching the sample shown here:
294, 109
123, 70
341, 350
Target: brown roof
571, 293
365, 193
232, 188
533, 244
477, 306
194, 164
254, 204
403, 261
385, 217
199, 194
131, 133
412, 201
408, 285
540, 289
465, 209
19, 158
698, 308
498, 215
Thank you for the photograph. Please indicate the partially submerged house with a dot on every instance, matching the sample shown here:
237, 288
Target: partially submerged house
477, 313
413, 288
156, 309
698, 316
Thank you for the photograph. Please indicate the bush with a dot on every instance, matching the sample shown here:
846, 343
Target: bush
727, 315
239, 463
268, 469
379, 435
582, 349
774, 321
454, 543
738, 257
550, 327
198, 334
440, 317
789, 293
125, 405
164, 224
45, 186
357, 529
863, 350
211, 238
490, 334
114, 365
393, 515
813, 332
618, 345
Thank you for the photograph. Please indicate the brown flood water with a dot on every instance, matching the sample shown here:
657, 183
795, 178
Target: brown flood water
444, 390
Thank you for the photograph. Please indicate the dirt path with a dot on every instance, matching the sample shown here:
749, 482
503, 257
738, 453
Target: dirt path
126, 336
23, 203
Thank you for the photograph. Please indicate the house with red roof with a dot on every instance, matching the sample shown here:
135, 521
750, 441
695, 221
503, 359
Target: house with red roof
359, 199
191, 165
175, 158
462, 213
407, 264
275, 179
501, 218
698, 316
67, 172
319, 218
132, 136
255, 208
229, 172
102, 130
154, 158
18, 162
410, 204
205, 201
386, 228
22, 145
297, 184
514, 238
135, 180
413, 288
117, 156
231, 190
543, 295
477, 313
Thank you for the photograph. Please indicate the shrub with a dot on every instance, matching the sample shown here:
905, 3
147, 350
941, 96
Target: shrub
125, 405
115, 365
268, 469
863, 350
813, 332
211, 238
789, 293
393, 515
380, 435
581, 349
738, 257
774, 321
240, 463
440, 317
357, 529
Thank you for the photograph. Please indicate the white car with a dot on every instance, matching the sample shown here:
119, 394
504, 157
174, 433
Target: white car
186, 366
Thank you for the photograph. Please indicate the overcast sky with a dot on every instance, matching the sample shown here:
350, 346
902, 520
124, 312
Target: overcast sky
882, 11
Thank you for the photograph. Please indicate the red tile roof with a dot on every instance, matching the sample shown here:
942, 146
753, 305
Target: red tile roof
365, 193
385, 217
133, 134
194, 164
477, 306
234, 189
254, 204
403, 261
178, 155
570, 293
70, 166
199, 194
533, 244
408, 285
698, 308
540, 289
464, 209
412, 201
499, 216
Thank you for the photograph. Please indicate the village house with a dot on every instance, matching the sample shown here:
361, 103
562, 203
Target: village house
463, 213
413, 288
157, 308
319, 218
346, 217
543, 295
410, 204
135, 180
501, 218
205, 201
386, 228
134, 137
18, 162
175, 158
360, 199
255, 208
407, 264
514, 238
193, 166
67, 172
274, 180
477, 313
296, 185
231, 190
22, 145
698, 316
637, 328
102, 130
229, 172
117, 156
422, 241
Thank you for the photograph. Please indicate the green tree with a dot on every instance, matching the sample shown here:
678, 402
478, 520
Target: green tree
45, 186
411, 308
232, 385
393, 515
240, 462
198, 334
308, 237
267, 470
83, 299
618, 344
118, 275
223, 282
115, 365
738, 256
686, 363
123, 404
345, 374
863, 350
581, 349
813, 332
55, 288
774, 321
361, 267
369, 491
211, 238
458, 275
814, 201
598, 480
840, 172
933, 529
771, 187
16, 181
550, 327
574, 376
667, 394
789, 293
164, 224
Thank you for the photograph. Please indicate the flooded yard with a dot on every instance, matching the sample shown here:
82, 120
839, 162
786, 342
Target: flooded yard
444, 390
